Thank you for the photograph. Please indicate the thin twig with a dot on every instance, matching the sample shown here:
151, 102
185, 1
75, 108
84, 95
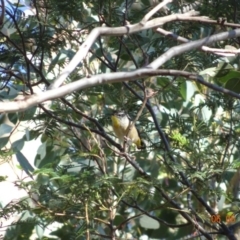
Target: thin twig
154, 10
87, 221
217, 51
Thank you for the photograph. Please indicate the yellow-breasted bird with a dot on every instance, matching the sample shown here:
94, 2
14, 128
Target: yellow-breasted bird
121, 123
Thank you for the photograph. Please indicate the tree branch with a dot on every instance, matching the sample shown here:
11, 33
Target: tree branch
217, 51
117, 31
154, 10
29, 101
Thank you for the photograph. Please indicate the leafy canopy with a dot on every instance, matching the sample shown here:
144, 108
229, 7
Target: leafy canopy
183, 97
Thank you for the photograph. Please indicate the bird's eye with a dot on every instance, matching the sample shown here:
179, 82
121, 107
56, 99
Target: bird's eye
120, 114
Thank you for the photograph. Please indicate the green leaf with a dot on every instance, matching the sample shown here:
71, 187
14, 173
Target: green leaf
209, 71
220, 70
118, 220
233, 85
3, 141
13, 117
24, 163
232, 74
47, 156
42, 150
125, 57
39, 231
61, 58
22, 228
148, 222
18, 145
28, 114
183, 90
5, 129
162, 81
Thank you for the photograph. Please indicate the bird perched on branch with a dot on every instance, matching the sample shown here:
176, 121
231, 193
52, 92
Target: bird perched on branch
124, 130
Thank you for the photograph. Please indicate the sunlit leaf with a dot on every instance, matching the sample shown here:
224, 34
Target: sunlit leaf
24, 163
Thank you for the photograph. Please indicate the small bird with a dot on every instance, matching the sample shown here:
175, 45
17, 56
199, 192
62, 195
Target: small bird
121, 123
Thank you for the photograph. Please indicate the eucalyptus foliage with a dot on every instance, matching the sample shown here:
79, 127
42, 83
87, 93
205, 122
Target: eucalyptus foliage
86, 183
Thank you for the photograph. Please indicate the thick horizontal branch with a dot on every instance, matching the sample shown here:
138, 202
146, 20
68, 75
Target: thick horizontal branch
149, 70
177, 50
20, 105
118, 31
130, 29
217, 51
